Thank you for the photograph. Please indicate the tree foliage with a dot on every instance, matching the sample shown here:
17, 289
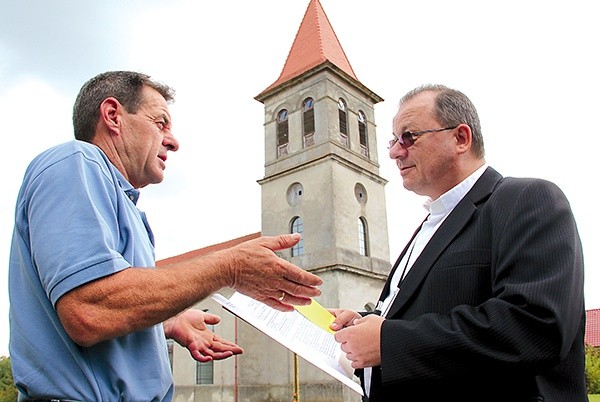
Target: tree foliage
592, 369
8, 391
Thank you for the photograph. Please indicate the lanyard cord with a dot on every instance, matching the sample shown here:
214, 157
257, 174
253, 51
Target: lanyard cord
404, 272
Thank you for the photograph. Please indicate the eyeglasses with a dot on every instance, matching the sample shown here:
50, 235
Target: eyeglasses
408, 138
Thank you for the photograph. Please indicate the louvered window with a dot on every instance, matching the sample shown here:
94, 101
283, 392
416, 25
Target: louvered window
343, 118
308, 121
362, 133
282, 133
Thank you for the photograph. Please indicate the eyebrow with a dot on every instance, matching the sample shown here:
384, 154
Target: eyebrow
165, 117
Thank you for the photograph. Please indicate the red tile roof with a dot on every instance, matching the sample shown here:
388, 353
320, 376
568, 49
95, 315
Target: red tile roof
206, 250
315, 43
592, 327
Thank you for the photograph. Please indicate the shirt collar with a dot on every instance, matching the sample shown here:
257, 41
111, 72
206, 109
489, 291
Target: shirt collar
447, 201
132, 193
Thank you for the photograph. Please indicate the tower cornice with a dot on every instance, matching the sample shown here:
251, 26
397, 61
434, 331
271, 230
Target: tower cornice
320, 159
325, 66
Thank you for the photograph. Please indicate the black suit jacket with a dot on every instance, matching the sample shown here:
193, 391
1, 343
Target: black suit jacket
492, 310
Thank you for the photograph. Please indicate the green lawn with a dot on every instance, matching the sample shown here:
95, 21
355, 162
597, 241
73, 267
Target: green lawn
594, 398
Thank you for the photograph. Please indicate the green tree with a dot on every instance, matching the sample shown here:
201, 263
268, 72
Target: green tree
8, 391
592, 369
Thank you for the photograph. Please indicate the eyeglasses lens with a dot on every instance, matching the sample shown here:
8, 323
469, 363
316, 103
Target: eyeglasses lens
407, 140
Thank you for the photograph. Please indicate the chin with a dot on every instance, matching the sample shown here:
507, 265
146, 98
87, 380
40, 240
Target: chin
158, 179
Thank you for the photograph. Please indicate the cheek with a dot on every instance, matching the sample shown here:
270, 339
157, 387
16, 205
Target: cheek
434, 163
153, 145
440, 166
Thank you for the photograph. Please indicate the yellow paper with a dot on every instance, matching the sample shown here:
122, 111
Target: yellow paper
317, 314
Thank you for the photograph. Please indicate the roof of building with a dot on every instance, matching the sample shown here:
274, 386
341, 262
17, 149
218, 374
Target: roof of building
592, 327
315, 43
207, 250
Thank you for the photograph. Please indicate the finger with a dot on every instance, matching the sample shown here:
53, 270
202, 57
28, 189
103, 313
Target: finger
294, 274
197, 355
343, 318
218, 353
297, 276
277, 305
344, 348
340, 336
223, 345
222, 356
211, 318
287, 298
215, 351
281, 242
355, 361
297, 282
298, 292
211, 355
336, 325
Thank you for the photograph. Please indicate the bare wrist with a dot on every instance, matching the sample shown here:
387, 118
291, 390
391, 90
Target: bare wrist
228, 268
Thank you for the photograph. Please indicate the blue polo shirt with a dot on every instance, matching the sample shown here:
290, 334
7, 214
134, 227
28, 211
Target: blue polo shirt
76, 221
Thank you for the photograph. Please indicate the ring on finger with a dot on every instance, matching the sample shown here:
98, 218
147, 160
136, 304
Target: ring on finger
282, 296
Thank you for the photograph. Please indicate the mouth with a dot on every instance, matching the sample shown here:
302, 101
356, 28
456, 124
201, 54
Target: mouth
163, 159
405, 169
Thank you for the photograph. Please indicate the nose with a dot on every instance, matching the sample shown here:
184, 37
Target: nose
397, 151
170, 142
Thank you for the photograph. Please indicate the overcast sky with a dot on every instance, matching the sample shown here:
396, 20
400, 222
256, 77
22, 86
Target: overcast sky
530, 67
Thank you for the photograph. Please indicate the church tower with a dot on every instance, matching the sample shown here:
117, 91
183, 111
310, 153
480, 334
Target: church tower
321, 167
321, 180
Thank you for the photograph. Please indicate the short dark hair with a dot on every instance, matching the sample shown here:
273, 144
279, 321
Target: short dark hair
451, 108
125, 86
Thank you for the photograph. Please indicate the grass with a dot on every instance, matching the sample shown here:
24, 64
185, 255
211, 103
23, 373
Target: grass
594, 397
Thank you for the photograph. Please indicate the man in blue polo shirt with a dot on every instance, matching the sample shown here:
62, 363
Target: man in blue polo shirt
89, 311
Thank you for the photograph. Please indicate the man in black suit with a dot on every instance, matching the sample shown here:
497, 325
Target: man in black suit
485, 303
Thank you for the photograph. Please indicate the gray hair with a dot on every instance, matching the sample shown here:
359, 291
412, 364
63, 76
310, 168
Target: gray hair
452, 108
125, 86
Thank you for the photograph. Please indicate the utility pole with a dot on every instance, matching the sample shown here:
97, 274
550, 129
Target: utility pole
296, 379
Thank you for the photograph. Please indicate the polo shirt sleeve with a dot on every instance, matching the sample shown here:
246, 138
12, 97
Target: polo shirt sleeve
74, 231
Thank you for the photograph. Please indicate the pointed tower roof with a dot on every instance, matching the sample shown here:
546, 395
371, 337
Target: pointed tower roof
315, 44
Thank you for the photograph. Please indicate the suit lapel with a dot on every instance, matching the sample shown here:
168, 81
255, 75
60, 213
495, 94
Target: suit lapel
386, 287
445, 234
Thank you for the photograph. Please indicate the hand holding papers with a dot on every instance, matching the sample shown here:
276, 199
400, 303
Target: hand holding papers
305, 331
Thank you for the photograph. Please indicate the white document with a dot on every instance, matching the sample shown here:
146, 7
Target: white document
295, 332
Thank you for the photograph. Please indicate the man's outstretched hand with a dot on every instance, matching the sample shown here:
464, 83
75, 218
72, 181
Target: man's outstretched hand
189, 329
258, 272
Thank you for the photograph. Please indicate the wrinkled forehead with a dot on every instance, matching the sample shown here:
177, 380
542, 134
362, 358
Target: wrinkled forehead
153, 100
416, 110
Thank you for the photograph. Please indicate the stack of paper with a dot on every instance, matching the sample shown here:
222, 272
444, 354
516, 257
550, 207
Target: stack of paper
305, 331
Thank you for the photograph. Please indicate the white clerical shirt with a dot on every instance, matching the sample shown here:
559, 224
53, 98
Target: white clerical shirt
439, 210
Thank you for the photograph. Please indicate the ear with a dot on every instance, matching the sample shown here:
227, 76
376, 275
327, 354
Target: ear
110, 115
464, 138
